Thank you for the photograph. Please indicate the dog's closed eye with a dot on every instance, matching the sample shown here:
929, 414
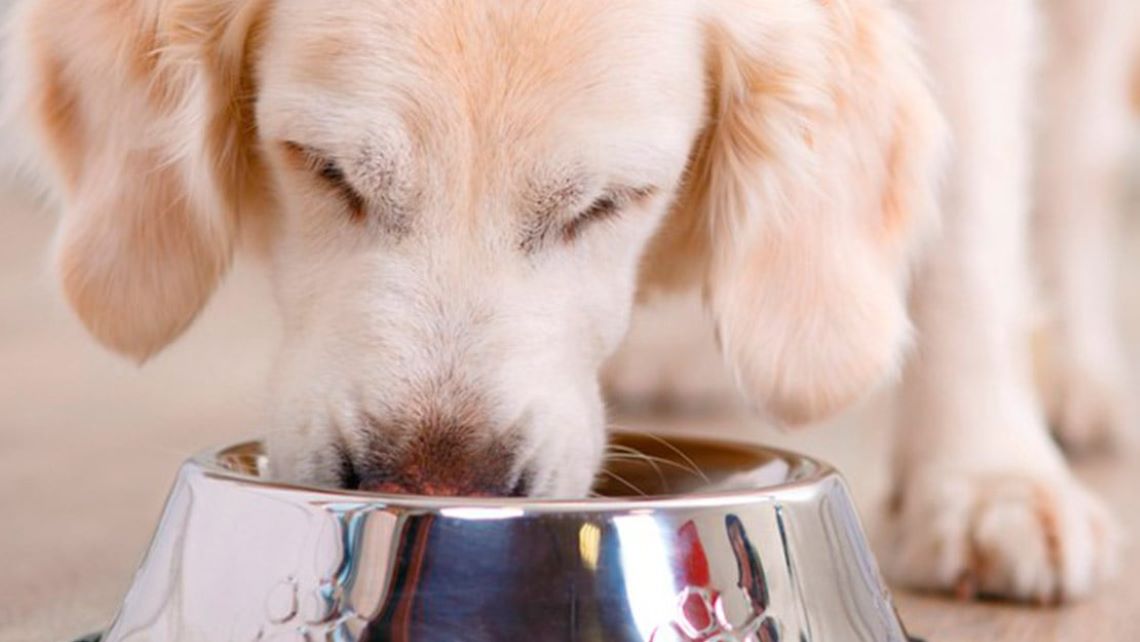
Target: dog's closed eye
329, 171
604, 207
609, 204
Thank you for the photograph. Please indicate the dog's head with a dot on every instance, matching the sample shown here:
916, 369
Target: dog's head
461, 200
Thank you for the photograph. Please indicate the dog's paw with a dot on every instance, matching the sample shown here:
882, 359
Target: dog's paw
1089, 412
1024, 537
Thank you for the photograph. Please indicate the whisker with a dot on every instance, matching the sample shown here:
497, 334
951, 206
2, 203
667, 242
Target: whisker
632, 454
628, 484
660, 460
671, 447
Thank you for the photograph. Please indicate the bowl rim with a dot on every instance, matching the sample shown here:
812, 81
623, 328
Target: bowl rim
207, 462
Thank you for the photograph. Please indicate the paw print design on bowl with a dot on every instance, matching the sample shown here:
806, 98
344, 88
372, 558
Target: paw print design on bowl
701, 614
332, 607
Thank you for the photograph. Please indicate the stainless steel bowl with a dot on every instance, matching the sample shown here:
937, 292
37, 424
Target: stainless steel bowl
697, 540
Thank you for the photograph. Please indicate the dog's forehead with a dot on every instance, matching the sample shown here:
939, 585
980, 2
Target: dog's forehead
523, 41
505, 73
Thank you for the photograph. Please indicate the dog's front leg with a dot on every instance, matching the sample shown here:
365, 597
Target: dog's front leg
983, 500
1087, 122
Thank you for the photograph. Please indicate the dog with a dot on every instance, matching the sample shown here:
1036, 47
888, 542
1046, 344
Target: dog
460, 202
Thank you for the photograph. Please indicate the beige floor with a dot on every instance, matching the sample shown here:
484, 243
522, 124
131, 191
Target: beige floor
89, 444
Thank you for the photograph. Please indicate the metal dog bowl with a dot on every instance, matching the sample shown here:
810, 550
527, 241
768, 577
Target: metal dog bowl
728, 543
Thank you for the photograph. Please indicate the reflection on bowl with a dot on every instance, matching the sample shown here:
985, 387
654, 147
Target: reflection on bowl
688, 540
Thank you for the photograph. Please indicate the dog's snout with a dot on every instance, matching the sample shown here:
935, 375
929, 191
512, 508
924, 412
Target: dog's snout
433, 460
434, 489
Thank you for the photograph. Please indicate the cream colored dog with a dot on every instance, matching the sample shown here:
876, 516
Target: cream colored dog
456, 198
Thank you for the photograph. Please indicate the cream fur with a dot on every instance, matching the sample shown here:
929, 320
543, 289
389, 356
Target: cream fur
815, 183
462, 300
146, 154
507, 178
983, 501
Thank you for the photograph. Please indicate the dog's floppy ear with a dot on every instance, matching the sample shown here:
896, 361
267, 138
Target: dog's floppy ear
806, 197
141, 111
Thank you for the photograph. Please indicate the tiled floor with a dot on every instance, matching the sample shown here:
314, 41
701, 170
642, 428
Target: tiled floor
89, 445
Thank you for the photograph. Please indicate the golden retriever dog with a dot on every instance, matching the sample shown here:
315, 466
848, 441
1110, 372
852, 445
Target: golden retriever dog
461, 201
